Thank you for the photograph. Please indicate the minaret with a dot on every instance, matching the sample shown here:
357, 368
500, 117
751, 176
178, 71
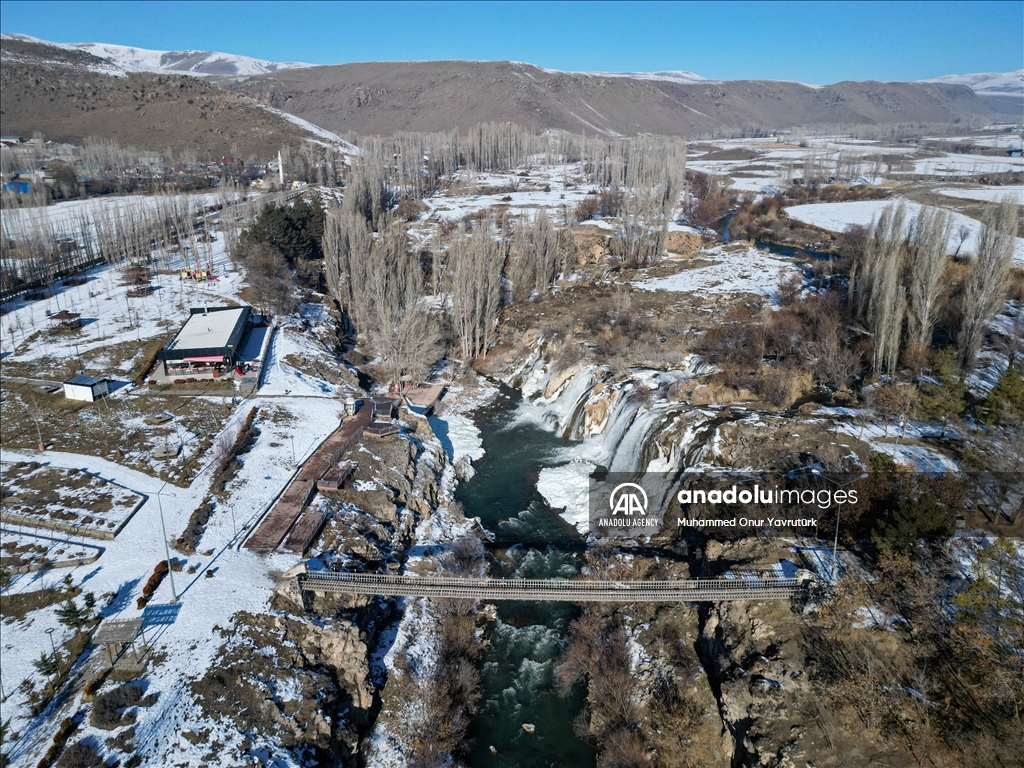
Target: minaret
280, 168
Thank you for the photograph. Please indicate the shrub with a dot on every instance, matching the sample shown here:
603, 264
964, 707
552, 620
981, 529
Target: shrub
93, 686
106, 711
79, 755
409, 210
154, 581
781, 385
152, 350
196, 525
587, 208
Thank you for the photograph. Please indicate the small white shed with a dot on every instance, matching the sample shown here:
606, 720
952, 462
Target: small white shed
88, 388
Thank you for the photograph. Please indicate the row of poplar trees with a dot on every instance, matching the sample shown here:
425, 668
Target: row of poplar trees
409, 304
900, 281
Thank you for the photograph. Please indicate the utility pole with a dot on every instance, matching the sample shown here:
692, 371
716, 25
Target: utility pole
839, 509
35, 420
167, 549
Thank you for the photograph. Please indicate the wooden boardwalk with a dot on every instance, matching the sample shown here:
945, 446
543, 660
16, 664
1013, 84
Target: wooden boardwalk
303, 532
570, 590
423, 397
279, 521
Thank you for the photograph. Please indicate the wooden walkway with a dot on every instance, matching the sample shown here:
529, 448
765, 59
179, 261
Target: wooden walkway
423, 397
570, 590
279, 521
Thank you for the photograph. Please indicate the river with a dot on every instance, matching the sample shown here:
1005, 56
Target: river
526, 639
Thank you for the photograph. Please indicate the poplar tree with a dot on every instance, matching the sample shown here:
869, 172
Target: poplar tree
985, 287
927, 264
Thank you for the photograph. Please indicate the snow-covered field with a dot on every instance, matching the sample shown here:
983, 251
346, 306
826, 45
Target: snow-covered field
55, 498
836, 217
241, 579
967, 165
109, 316
778, 160
989, 194
24, 547
548, 187
67, 216
733, 270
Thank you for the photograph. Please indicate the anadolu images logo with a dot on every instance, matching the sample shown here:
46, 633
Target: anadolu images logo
628, 499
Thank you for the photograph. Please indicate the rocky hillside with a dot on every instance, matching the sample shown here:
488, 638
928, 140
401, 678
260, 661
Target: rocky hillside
67, 92
378, 98
1002, 91
70, 94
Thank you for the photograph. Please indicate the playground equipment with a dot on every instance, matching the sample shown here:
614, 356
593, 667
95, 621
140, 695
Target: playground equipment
199, 275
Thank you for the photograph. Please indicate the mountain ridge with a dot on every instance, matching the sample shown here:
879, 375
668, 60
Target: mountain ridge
384, 97
218, 63
68, 94
179, 62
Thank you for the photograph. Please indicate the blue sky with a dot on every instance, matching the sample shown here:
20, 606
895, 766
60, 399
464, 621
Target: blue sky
810, 42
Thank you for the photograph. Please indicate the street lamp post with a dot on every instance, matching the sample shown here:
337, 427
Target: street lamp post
56, 662
839, 510
167, 549
49, 634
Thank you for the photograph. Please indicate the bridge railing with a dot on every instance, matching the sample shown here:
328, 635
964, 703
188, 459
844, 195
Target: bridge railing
387, 579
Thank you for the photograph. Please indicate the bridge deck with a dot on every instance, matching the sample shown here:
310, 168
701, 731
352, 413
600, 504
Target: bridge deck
570, 590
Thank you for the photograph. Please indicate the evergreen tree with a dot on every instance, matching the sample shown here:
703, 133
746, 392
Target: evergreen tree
294, 230
1005, 402
993, 598
46, 664
911, 523
71, 616
944, 400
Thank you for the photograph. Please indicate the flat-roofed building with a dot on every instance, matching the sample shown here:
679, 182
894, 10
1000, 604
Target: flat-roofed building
208, 343
88, 388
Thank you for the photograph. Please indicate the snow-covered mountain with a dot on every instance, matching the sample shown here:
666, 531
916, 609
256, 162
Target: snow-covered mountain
990, 83
130, 59
672, 76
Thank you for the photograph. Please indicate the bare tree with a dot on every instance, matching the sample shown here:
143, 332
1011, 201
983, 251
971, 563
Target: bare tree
397, 323
985, 287
962, 233
886, 301
347, 245
474, 285
836, 364
927, 258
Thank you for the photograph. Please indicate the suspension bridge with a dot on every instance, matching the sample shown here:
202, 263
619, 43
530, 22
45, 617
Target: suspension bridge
745, 587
